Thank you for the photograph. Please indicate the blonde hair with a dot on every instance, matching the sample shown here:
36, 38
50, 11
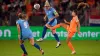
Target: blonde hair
47, 3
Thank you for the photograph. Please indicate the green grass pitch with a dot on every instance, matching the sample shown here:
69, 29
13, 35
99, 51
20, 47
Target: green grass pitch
83, 48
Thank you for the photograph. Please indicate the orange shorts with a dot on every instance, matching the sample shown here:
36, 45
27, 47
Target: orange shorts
70, 34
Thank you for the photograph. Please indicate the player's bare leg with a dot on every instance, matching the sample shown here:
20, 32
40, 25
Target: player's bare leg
44, 32
56, 37
23, 48
54, 33
36, 45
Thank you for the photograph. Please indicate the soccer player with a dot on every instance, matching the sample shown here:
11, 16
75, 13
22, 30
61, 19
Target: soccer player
74, 27
51, 14
24, 33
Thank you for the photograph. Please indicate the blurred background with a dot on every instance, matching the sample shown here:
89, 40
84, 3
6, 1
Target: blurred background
89, 11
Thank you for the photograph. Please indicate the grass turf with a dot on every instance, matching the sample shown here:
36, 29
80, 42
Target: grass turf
83, 48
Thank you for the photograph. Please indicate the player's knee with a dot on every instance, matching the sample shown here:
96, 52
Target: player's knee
32, 43
68, 40
21, 42
53, 32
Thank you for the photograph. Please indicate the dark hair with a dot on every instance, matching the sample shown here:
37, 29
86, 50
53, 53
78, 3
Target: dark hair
76, 12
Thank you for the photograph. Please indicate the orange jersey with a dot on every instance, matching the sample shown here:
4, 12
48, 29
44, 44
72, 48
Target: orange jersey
73, 24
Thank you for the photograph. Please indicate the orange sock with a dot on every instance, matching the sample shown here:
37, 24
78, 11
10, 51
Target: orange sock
71, 46
56, 26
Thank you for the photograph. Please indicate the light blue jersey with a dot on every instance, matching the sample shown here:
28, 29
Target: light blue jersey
25, 30
50, 14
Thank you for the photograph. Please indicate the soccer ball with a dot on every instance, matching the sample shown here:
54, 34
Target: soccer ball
36, 6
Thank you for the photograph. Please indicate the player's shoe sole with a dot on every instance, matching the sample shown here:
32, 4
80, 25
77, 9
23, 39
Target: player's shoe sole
58, 45
39, 40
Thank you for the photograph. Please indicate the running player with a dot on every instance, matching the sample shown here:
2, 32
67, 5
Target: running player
24, 33
51, 14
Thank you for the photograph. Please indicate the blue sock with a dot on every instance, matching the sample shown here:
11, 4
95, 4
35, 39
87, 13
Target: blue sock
56, 37
23, 48
37, 46
44, 31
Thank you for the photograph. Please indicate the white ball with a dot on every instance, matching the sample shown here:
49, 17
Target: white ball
36, 6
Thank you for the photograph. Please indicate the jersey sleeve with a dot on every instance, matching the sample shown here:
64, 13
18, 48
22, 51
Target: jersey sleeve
54, 11
17, 22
